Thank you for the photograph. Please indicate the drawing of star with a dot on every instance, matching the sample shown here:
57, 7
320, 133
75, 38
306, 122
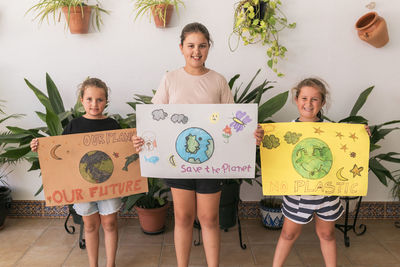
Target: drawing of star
318, 130
353, 154
339, 134
353, 136
344, 147
356, 171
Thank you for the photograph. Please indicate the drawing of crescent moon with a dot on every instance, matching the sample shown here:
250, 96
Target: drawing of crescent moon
172, 160
340, 176
53, 152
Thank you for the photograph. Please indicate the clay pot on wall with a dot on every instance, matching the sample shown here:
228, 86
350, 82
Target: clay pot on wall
78, 22
162, 14
372, 29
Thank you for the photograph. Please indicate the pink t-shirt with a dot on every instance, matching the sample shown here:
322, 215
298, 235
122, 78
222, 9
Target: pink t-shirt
180, 87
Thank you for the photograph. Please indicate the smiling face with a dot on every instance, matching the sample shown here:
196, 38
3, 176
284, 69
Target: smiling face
195, 50
309, 102
94, 101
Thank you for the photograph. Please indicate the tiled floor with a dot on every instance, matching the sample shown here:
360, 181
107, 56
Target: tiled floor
44, 242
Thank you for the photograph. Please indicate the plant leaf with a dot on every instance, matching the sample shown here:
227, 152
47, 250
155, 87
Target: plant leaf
361, 101
272, 106
54, 96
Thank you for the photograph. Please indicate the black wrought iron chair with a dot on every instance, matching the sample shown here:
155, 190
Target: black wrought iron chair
77, 219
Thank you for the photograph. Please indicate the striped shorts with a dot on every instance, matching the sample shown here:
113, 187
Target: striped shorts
300, 209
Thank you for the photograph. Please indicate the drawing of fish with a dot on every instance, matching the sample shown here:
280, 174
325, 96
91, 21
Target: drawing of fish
153, 159
129, 160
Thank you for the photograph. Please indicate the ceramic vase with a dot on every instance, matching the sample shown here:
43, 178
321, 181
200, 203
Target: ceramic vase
272, 218
163, 10
77, 21
372, 29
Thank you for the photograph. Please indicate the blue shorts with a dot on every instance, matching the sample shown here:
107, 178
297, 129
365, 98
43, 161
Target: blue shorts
103, 207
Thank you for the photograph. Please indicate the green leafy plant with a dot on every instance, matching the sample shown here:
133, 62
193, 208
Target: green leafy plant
271, 202
396, 184
156, 197
46, 8
17, 140
260, 21
378, 132
147, 6
265, 110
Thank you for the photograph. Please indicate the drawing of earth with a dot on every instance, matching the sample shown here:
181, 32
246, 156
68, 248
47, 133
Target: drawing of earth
312, 158
96, 167
194, 145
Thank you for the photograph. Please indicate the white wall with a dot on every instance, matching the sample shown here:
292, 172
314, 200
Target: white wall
132, 56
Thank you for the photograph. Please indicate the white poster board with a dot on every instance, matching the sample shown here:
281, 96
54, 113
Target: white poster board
197, 140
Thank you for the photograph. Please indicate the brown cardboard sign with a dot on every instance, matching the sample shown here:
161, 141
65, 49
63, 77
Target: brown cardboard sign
89, 166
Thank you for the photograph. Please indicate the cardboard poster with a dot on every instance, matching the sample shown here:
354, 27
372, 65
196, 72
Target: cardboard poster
305, 158
89, 166
197, 140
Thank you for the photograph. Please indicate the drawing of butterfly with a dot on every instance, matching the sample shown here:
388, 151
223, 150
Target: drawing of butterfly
240, 120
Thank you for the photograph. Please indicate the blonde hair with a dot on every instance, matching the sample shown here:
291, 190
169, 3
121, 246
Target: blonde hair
316, 83
93, 82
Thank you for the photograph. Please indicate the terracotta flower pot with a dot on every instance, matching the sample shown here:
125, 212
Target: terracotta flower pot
152, 221
160, 9
78, 22
372, 29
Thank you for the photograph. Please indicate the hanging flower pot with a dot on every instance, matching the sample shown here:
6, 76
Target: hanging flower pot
372, 29
162, 14
77, 20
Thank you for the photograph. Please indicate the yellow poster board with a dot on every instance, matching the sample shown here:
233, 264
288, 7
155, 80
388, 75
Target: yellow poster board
89, 166
308, 158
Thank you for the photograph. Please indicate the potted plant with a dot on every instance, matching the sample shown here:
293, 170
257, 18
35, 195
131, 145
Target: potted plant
230, 195
160, 9
260, 21
77, 13
5, 191
151, 206
271, 212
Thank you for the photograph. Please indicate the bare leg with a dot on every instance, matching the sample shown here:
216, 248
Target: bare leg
92, 225
326, 233
185, 213
110, 227
290, 232
208, 214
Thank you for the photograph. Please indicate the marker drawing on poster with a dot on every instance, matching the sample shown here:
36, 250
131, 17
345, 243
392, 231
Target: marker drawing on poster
89, 166
197, 140
304, 158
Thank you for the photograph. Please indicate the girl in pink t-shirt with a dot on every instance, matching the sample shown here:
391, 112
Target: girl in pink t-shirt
196, 84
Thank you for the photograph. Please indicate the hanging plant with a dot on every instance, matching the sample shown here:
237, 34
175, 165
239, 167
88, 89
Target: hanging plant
77, 13
160, 9
260, 21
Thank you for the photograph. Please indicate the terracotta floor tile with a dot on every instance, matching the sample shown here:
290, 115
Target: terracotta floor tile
234, 255
44, 256
369, 254
44, 242
140, 256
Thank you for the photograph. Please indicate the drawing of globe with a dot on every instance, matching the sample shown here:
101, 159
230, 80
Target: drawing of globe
194, 145
96, 167
312, 158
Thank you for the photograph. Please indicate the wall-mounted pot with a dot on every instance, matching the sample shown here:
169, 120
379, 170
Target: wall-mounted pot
372, 29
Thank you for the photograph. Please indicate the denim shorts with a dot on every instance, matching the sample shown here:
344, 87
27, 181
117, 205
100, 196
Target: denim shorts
104, 207
202, 186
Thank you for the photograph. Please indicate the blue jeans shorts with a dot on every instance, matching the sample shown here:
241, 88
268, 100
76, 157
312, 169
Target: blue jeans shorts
103, 207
